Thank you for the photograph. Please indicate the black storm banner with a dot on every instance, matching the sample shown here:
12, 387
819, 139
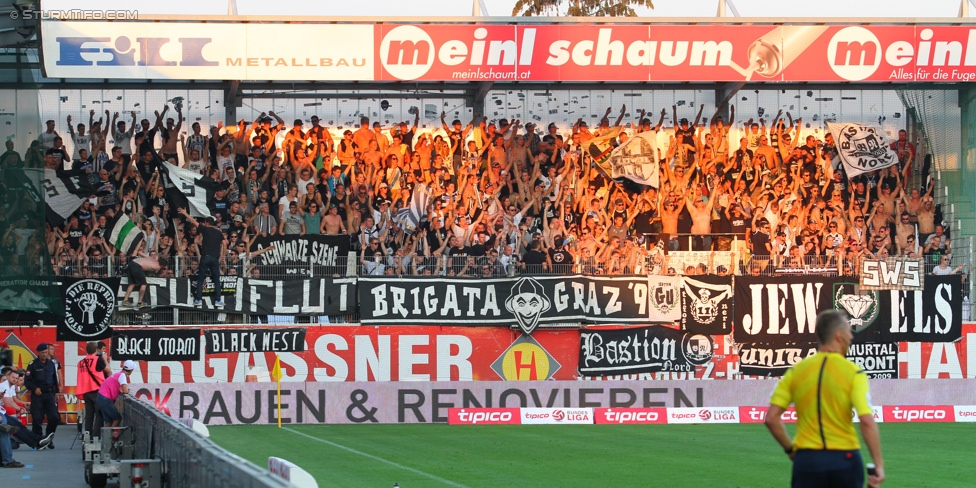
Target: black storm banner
526, 301
312, 296
931, 315
156, 344
772, 360
707, 305
780, 309
295, 256
644, 350
88, 308
255, 340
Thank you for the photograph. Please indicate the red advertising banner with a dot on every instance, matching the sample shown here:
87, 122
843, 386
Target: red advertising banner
939, 360
651, 52
920, 413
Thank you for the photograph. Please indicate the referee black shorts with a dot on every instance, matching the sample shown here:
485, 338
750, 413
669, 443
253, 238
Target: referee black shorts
841, 469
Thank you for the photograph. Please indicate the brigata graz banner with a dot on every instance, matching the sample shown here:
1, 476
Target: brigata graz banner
525, 301
505, 52
311, 296
299, 256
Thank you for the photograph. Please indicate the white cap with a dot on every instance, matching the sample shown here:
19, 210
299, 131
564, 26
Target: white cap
129, 365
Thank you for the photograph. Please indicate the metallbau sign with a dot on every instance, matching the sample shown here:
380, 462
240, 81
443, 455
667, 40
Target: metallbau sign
509, 52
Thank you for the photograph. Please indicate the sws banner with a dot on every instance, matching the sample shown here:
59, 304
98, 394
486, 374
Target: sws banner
644, 350
295, 256
254, 340
781, 309
772, 360
156, 344
312, 296
707, 305
526, 301
88, 305
900, 273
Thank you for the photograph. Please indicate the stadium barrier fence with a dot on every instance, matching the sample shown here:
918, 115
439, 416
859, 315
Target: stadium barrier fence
189, 460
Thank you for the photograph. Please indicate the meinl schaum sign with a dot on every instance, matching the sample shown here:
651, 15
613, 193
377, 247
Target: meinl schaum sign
707, 51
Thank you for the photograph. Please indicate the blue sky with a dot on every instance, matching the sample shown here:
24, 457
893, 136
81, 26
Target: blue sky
432, 8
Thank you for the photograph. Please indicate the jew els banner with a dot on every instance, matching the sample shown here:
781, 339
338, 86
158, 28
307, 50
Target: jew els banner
295, 256
781, 309
156, 344
88, 308
526, 301
772, 360
255, 340
625, 351
931, 315
312, 296
706, 305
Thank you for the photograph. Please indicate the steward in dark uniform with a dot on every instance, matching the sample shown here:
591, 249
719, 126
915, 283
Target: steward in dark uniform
42, 382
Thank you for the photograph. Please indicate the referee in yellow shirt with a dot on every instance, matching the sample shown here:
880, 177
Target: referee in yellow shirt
825, 387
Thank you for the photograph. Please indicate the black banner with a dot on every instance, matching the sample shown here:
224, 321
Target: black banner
772, 360
931, 315
526, 301
645, 350
255, 340
88, 308
877, 360
707, 305
156, 344
781, 309
296, 256
866, 310
312, 296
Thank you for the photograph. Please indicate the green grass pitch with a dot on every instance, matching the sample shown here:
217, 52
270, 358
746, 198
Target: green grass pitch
916, 455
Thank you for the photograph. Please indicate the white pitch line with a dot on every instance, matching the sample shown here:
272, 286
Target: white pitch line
376, 458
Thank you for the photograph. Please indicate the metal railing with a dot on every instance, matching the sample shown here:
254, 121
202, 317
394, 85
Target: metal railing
188, 459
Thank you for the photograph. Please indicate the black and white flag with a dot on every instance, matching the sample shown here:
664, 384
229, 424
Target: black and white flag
862, 148
707, 305
64, 191
187, 189
88, 308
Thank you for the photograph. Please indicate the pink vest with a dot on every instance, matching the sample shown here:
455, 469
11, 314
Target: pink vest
110, 387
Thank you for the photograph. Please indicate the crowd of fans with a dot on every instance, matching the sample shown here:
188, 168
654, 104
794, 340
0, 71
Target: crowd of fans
501, 197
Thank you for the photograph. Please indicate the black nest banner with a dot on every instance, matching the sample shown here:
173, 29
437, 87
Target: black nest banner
706, 305
221, 341
89, 305
780, 309
772, 359
296, 256
931, 315
156, 344
628, 351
